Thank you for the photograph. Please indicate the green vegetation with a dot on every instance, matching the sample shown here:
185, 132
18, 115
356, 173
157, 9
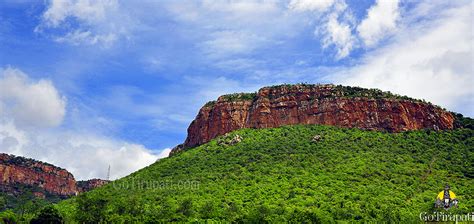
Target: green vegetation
48, 214
210, 103
24, 204
463, 122
339, 91
8, 216
239, 96
8, 201
282, 175
233, 97
349, 91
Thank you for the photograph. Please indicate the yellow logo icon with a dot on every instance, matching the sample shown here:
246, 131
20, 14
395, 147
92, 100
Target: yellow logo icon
446, 199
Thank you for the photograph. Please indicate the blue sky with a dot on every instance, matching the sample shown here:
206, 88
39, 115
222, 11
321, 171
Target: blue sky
85, 84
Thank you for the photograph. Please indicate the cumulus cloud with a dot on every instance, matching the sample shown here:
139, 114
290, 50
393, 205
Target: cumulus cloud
380, 21
30, 114
164, 153
30, 103
84, 155
334, 23
339, 35
337, 30
431, 59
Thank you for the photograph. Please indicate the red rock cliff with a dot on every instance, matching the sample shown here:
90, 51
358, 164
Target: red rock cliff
314, 104
87, 185
16, 170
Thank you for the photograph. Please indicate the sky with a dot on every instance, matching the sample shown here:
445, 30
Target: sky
85, 84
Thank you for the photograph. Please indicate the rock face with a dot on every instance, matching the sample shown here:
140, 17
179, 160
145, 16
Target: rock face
87, 185
44, 178
341, 106
18, 170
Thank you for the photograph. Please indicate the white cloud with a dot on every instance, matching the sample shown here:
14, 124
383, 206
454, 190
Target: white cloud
85, 22
86, 156
228, 11
30, 103
381, 20
224, 43
310, 5
164, 153
431, 59
12, 140
334, 23
30, 110
78, 37
338, 33
84, 10
242, 27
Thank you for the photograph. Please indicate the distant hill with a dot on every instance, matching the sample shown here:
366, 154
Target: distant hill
23, 180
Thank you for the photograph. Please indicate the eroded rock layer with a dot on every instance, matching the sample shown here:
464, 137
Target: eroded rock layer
41, 178
15, 170
314, 104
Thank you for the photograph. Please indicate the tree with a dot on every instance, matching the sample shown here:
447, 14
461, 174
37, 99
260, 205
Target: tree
186, 207
3, 203
8, 217
48, 215
90, 209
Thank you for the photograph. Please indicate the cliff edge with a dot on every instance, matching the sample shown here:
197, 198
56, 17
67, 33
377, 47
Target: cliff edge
341, 106
42, 178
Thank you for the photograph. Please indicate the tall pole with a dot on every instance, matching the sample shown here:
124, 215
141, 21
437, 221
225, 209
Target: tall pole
108, 173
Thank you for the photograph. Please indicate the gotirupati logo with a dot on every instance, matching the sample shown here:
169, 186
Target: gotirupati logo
446, 199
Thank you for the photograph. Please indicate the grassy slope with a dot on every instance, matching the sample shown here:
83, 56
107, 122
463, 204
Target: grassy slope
281, 175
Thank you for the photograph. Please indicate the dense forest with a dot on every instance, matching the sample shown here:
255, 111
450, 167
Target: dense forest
302, 173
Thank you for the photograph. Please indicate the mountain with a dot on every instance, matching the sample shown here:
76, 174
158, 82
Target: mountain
298, 154
376, 157
28, 178
341, 106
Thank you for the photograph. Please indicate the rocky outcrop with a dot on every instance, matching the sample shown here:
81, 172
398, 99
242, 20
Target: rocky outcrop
87, 185
342, 106
18, 170
40, 178
229, 140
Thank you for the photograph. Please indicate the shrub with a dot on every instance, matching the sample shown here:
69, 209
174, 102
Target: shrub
8, 217
48, 215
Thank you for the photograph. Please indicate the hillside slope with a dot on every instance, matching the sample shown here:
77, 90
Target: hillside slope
299, 173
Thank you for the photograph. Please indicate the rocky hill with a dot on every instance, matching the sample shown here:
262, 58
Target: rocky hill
43, 179
342, 106
303, 172
87, 185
